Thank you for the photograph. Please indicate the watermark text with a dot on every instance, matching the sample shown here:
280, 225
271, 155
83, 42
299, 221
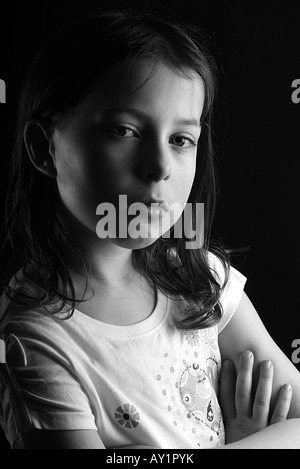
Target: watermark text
2, 92
296, 353
139, 220
296, 93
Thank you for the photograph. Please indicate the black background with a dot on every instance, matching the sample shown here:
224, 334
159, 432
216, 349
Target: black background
257, 127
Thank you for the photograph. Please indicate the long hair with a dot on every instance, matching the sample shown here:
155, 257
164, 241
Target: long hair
59, 76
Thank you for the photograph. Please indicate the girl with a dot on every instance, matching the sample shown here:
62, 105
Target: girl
117, 341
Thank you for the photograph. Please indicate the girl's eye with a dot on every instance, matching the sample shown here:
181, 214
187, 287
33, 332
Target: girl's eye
183, 142
122, 131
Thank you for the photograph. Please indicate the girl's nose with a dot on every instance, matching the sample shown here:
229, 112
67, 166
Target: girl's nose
156, 164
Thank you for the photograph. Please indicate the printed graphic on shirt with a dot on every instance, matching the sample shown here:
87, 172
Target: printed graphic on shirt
198, 394
192, 337
127, 416
190, 387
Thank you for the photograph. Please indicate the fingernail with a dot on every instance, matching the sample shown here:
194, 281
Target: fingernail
247, 355
266, 364
287, 387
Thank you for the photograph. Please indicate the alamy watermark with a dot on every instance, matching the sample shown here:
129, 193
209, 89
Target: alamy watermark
2, 351
296, 353
296, 93
140, 220
2, 92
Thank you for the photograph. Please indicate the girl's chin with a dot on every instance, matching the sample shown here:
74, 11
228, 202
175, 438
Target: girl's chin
131, 243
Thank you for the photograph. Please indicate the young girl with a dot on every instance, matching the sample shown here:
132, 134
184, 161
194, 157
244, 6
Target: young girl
118, 341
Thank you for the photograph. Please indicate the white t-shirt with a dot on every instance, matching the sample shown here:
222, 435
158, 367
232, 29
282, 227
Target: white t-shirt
148, 384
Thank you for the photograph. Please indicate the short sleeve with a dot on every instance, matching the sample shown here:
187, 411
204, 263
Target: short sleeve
231, 293
231, 296
40, 387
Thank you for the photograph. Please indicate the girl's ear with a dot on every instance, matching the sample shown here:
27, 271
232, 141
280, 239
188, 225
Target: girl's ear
38, 143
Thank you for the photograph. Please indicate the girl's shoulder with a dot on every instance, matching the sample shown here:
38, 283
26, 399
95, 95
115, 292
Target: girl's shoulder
19, 317
233, 284
217, 267
31, 333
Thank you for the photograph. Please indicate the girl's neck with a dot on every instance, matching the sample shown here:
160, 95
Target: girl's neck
109, 265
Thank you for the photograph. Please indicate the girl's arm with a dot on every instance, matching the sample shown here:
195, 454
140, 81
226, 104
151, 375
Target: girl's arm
245, 331
283, 435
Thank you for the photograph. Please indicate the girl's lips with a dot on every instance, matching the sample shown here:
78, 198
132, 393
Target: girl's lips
156, 205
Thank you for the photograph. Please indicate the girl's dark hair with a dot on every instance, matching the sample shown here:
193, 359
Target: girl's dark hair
59, 76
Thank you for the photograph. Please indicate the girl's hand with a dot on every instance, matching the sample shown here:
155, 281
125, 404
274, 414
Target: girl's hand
244, 415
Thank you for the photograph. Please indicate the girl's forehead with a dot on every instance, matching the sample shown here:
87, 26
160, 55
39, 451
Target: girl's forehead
153, 87
130, 79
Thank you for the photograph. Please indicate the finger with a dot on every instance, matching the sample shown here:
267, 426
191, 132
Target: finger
227, 391
243, 401
261, 405
283, 403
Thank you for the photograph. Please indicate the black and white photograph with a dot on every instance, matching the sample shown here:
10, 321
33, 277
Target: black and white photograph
149, 227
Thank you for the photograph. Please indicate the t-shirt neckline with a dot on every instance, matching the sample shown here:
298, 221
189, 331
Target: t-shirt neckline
158, 315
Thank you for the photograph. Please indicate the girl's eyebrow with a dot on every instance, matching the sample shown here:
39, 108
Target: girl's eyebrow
142, 115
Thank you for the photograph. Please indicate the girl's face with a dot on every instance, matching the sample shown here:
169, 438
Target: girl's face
133, 136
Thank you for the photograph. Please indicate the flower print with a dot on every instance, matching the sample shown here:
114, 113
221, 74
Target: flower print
127, 416
210, 337
192, 337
